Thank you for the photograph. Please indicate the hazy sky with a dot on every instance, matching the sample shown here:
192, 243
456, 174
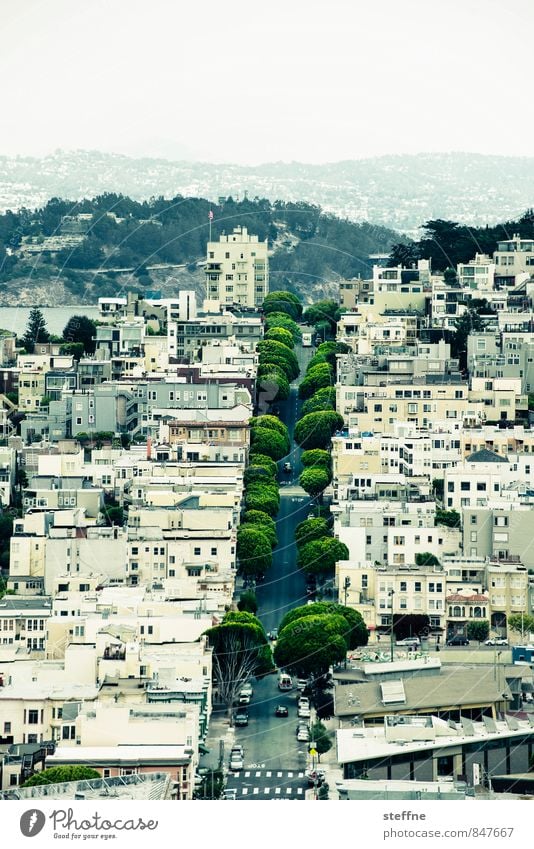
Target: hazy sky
256, 81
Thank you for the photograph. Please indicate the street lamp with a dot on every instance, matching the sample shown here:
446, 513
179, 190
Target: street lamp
391, 593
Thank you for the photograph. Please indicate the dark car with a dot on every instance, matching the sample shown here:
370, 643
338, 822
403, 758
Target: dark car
281, 710
458, 640
241, 718
273, 635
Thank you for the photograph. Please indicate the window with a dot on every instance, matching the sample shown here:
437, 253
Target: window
33, 717
213, 551
417, 587
465, 486
196, 551
403, 586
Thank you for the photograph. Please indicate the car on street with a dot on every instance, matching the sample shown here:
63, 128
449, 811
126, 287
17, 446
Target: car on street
303, 701
496, 641
236, 762
238, 750
273, 635
304, 712
230, 794
458, 640
244, 698
288, 468
247, 688
241, 718
303, 734
281, 710
408, 641
302, 683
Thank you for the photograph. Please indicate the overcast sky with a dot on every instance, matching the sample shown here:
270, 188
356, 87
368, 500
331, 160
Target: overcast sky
251, 82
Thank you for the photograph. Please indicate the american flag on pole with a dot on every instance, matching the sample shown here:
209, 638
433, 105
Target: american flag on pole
210, 215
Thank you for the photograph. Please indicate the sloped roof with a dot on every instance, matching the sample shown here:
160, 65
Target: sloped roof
486, 456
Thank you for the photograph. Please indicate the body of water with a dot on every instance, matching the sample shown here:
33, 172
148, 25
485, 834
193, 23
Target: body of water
16, 318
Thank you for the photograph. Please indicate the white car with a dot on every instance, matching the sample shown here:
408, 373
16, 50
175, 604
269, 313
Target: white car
496, 641
236, 762
247, 688
303, 701
304, 713
303, 735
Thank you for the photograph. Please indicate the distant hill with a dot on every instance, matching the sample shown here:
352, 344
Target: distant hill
76, 252
395, 191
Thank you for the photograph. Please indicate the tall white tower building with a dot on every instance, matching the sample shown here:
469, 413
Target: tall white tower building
237, 269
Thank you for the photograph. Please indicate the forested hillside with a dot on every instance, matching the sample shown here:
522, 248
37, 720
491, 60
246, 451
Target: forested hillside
120, 240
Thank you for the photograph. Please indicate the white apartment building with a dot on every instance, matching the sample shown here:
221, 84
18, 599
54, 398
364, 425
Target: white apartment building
237, 269
478, 273
482, 477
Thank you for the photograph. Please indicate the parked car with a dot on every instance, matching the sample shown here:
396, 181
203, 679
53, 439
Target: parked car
496, 641
302, 683
281, 710
303, 735
241, 718
230, 794
303, 701
458, 640
238, 750
236, 762
408, 641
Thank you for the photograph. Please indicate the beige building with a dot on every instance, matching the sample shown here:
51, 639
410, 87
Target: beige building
237, 269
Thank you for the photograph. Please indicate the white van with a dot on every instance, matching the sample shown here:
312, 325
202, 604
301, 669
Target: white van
284, 681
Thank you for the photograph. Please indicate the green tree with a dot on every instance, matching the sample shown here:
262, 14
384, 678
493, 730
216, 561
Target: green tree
326, 312
280, 334
261, 520
448, 518
256, 459
321, 737
478, 630
212, 785
319, 377
263, 498
521, 623
254, 551
330, 350
271, 422
240, 651
316, 429
248, 602
316, 457
272, 384
314, 481
355, 632
323, 399
80, 328
319, 556
309, 647
310, 529
257, 474
60, 774
271, 351
35, 330
469, 322
425, 558
74, 349
280, 321
269, 442
437, 488
282, 301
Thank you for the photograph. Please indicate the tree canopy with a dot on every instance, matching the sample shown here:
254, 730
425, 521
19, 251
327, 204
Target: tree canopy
315, 430
322, 399
318, 377
311, 529
36, 330
254, 550
319, 556
267, 441
285, 302
80, 328
315, 480
308, 647
240, 650
355, 633
60, 774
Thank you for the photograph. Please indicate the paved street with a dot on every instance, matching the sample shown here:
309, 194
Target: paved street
258, 784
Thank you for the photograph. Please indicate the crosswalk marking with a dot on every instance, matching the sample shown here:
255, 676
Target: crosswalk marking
299, 791
277, 790
289, 790
268, 774
279, 774
290, 775
247, 775
258, 775
266, 790
244, 791
256, 791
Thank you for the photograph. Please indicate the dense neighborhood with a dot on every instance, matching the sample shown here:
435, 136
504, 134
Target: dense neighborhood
254, 548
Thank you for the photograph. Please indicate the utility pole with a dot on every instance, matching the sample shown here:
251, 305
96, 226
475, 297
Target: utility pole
346, 585
391, 593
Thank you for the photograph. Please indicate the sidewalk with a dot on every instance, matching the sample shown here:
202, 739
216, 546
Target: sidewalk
220, 734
